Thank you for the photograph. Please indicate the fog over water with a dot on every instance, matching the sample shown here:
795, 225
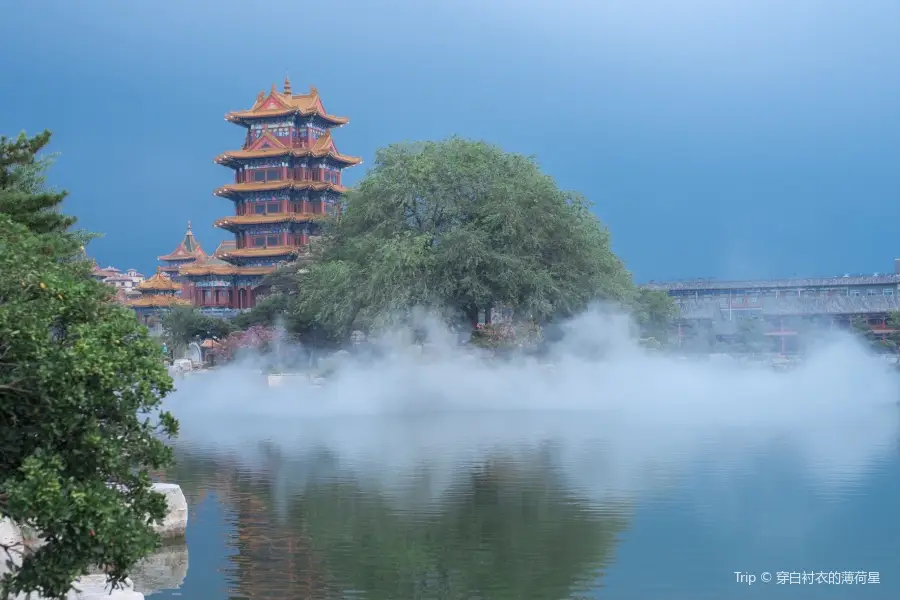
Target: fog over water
621, 420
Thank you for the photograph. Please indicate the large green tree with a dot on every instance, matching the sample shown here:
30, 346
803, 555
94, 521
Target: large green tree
79, 378
457, 226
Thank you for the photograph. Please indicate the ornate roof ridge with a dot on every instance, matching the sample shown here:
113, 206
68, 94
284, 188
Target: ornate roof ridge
282, 103
188, 248
160, 282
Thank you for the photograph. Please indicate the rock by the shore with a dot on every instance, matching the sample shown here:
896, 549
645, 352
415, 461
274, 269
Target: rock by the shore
175, 522
10, 537
92, 587
95, 587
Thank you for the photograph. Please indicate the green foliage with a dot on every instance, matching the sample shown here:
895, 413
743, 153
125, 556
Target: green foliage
753, 335
78, 379
185, 324
653, 312
881, 342
455, 226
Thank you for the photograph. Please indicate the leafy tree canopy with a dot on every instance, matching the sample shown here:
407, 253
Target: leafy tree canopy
455, 226
184, 324
78, 377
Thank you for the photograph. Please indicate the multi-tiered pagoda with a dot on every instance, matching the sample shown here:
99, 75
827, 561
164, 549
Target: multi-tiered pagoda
287, 177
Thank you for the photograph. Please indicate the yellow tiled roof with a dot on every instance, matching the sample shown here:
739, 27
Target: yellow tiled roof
159, 283
285, 103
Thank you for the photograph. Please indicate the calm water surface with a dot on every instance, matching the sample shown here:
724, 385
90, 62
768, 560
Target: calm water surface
541, 505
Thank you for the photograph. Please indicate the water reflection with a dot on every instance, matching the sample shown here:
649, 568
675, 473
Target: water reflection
506, 527
524, 505
165, 569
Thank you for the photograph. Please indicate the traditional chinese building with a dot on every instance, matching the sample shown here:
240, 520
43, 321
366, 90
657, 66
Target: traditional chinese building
287, 176
158, 295
784, 308
187, 252
212, 283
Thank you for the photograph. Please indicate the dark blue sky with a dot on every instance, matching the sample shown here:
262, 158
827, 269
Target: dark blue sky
728, 139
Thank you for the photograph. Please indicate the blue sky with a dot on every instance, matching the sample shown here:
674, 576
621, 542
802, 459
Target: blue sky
734, 138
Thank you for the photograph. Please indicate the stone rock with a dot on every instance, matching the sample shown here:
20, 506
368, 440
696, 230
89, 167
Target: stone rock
175, 522
95, 587
10, 537
165, 569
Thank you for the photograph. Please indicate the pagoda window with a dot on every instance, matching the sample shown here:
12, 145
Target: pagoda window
272, 240
259, 241
273, 207
259, 209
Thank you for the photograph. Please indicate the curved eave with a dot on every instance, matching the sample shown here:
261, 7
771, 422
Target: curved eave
234, 160
158, 302
238, 223
246, 117
276, 252
179, 257
225, 270
235, 190
158, 288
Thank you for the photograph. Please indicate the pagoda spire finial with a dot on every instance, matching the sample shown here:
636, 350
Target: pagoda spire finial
189, 226
274, 89
287, 84
158, 269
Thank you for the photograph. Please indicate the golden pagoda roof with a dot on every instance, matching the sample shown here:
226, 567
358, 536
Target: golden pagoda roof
188, 249
214, 265
260, 252
284, 103
158, 283
157, 301
268, 146
266, 186
223, 268
241, 220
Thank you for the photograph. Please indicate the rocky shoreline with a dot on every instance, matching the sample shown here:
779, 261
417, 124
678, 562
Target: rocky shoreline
94, 586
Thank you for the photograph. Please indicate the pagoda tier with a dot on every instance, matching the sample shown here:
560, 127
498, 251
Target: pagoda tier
269, 146
288, 178
306, 107
237, 191
188, 251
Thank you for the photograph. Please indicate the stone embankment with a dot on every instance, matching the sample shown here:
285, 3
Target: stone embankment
95, 587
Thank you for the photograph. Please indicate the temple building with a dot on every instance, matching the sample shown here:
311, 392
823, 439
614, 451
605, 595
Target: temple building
157, 295
287, 177
187, 252
782, 309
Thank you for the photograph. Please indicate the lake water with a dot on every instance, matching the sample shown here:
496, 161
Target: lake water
543, 505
